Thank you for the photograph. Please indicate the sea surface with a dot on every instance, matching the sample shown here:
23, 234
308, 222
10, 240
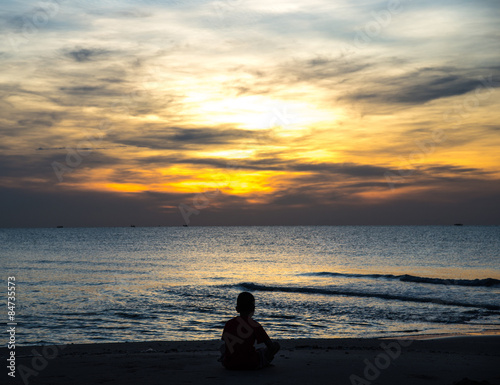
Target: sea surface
89, 285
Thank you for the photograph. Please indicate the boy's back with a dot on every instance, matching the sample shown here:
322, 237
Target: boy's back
240, 334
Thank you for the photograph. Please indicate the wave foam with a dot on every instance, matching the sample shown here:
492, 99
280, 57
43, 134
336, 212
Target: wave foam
486, 282
316, 290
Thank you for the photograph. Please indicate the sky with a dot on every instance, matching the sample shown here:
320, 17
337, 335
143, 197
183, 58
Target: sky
239, 112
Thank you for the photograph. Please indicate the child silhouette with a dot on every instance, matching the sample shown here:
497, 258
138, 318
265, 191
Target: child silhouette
241, 333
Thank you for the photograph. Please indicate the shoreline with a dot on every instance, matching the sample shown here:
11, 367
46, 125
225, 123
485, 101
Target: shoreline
437, 359
423, 336
435, 336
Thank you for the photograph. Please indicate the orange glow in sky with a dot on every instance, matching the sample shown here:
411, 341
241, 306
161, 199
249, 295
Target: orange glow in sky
273, 105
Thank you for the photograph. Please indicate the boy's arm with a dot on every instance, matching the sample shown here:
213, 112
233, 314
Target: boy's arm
272, 348
267, 340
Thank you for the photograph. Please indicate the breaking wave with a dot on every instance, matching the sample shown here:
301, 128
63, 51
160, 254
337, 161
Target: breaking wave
486, 282
352, 293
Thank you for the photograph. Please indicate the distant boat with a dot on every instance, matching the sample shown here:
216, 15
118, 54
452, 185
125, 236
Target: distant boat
458, 224
132, 225
59, 227
185, 225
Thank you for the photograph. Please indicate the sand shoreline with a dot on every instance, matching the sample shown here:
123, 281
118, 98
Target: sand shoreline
438, 360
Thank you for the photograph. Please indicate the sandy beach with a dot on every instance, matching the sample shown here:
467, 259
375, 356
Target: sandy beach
430, 360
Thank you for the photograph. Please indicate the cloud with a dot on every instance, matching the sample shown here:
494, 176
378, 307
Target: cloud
463, 202
177, 138
453, 169
83, 90
34, 122
87, 54
57, 207
36, 168
320, 68
420, 86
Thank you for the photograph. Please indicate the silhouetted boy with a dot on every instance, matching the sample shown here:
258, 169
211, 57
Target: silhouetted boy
240, 335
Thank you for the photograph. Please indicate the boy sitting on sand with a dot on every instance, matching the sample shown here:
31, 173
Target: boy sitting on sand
240, 334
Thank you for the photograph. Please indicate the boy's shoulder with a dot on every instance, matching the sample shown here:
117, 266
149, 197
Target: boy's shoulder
243, 321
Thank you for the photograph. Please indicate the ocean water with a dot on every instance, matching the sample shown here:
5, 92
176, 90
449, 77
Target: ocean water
84, 285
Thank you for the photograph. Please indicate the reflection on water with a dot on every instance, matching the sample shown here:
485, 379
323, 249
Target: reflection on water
132, 284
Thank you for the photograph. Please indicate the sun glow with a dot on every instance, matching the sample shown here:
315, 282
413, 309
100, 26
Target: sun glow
125, 187
186, 180
259, 113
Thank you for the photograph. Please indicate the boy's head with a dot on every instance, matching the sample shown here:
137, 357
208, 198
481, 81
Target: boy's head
245, 303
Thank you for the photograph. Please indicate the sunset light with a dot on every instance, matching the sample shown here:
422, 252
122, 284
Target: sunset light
378, 109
